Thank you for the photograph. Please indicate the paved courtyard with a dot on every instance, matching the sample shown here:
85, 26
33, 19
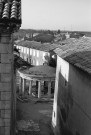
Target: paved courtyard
34, 117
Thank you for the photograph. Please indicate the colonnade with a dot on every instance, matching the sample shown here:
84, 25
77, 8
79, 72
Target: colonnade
22, 87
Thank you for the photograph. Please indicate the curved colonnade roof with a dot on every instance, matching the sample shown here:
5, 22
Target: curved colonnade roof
42, 72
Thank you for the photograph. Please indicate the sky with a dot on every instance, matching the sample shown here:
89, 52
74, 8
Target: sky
56, 14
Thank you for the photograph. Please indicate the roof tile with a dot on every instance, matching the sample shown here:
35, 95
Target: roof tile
38, 45
77, 52
10, 11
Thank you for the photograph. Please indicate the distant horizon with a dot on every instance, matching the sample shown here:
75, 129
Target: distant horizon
52, 30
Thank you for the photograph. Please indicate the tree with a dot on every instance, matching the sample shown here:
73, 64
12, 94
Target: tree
58, 31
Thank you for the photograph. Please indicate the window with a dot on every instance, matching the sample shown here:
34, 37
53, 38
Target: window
37, 53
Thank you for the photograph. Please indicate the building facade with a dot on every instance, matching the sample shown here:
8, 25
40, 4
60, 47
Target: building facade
72, 97
72, 100
33, 56
35, 52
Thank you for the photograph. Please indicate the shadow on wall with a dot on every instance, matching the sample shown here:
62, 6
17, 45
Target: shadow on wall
73, 101
65, 103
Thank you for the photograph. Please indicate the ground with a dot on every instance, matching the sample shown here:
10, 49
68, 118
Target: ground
34, 117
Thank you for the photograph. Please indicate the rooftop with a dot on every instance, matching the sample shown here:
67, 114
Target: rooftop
37, 45
10, 13
76, 52
39, 72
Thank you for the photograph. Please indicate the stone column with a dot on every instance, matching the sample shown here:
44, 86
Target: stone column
30, 87
39, 89
23, 85
20, 86
49, 89
7, 97
23, 53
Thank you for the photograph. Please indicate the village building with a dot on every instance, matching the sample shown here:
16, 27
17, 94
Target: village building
35, 52
72, 98
10, 21
42, 56
67, 35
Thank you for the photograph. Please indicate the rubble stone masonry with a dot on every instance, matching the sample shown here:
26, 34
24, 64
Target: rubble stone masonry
6, 83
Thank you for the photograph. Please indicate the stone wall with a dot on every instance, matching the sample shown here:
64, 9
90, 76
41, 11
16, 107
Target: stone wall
6, 83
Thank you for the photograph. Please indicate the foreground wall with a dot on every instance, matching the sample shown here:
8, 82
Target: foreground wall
72, 101
7, 110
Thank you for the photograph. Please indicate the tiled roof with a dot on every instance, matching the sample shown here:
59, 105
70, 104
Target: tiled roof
40, 71
76, 52
37, 45
10, 12
48, 47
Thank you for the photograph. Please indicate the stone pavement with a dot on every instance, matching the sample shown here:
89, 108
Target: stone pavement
28, 126
34, 118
